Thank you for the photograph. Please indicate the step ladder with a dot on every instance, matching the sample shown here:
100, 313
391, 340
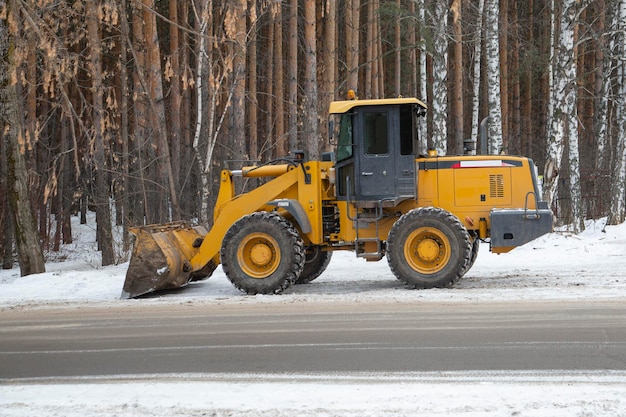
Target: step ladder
366, 220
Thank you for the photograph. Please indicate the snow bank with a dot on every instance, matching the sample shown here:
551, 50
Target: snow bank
434, 394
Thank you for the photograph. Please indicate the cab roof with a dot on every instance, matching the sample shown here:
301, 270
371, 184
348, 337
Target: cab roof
339, 107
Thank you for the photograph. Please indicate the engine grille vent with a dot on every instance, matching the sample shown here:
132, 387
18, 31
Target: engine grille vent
496, 186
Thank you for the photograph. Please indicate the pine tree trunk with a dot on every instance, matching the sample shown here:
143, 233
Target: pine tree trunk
329, 55
101, 193
282, 145
6, 241
412, 40
175, 126
157, 116
269, 85
253, 106
503, 76
515, 71
379, 55
311, 127
398, 54
476, 77
292, 99
30, 255
140, 186
457, 77
353, 16
128, 217
235, 27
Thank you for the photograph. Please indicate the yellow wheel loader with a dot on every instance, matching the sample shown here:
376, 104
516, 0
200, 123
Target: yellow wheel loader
373, 195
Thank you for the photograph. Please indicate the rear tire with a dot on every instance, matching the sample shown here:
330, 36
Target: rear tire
262, 253
316, 262
428, 248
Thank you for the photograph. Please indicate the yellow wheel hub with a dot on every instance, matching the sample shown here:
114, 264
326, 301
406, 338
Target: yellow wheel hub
427, 250
258, 255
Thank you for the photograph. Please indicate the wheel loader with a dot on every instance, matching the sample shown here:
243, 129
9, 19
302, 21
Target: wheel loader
374, 195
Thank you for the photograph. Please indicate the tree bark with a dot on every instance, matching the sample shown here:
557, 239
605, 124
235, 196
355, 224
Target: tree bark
30, 255
353, 16
329, 56
235, 27
502, 23
564, 125
439, 110
398, 53
253, 100
282, 143
492, 50
294, 141
6, 241
457, 77
423, 80
175, 127
101, 194
157, 114
476, 77
617, 212
311, 127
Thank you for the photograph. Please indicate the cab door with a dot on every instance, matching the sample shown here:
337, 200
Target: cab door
385, 167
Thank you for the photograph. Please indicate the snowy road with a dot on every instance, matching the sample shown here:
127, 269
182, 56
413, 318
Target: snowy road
314, 339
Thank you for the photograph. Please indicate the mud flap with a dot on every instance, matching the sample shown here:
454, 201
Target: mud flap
160, 258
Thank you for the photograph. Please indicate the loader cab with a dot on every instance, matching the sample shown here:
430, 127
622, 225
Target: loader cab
376, 144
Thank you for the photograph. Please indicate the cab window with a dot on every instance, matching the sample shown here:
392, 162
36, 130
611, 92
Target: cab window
345, 144
375, 133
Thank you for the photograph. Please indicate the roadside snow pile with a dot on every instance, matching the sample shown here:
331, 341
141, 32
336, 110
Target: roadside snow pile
559, 265
485, 394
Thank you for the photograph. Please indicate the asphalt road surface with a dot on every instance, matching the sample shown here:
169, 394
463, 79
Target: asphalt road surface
149, 338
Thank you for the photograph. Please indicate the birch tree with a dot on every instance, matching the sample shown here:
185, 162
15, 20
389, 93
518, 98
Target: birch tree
423, 94
492, 52
439, 21
563, 112
214, 68
617, 213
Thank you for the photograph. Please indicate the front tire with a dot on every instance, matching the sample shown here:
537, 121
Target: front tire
262, 253
428, 248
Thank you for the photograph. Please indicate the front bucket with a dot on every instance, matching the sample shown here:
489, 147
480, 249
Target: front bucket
160, 257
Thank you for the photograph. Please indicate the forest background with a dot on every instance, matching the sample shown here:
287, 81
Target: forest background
131, 108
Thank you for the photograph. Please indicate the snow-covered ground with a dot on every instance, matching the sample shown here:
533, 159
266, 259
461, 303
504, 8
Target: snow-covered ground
559, 266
